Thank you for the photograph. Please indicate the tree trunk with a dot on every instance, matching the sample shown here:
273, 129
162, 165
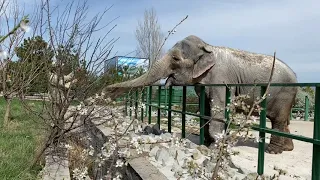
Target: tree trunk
7, 114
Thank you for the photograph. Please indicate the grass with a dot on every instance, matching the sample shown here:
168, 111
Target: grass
18, 142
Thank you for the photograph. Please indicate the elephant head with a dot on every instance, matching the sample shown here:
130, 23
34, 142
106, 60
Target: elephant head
185, 63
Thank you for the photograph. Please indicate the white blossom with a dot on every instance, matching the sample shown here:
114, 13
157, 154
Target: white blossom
119, 163
3, 54
83, 112
139, 150
79, 107
254, 118
91, 151
220, 135
258, 139
80, 174
24, 26
118, 177
68, 146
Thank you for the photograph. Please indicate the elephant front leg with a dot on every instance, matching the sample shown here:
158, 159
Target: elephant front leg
217, 123
276, 142
207, 112
279, 144
279, 122
208, 140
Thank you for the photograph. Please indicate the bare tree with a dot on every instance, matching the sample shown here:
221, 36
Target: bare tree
149, 37
15, 75
79, 53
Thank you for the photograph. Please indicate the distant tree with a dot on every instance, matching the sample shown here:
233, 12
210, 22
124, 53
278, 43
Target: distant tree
149, 37
308, 90
302, 93
15, 76
36, 51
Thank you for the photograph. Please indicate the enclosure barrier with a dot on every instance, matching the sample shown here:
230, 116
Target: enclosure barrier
262, 124
306, 109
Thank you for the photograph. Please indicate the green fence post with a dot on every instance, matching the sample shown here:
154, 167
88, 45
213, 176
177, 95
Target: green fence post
159, 104
262, 135
316, 135
169, 109
166, 99
202, 106
136, 105
130, 95
306, 108
149, 106
183, 115
227, 102
146, 101
142, 98
126, 105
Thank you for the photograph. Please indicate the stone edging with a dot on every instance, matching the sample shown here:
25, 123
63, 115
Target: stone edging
139, 167
56, 167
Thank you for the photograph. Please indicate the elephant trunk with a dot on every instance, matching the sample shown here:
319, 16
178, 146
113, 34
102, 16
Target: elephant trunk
158, 71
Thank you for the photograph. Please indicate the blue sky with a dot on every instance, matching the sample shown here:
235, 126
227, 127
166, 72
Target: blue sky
291, 27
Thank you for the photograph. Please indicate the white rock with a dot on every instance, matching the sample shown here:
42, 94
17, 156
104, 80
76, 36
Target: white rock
177, 119
190, 144
133, 135
184, 163
147, 148
180, 156
154, 113
166, 137
152, 139
196, 154
162, 154
175, 166
231, 172
163, 162
154, 151
205, 162
163, 119
209, 167
172, 151
283, 177
178, 173
204, 150
145, 138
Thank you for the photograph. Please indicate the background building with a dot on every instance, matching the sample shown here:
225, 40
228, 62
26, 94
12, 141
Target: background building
131, 64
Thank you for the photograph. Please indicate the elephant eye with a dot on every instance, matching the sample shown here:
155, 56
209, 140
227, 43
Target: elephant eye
200, 56
176, 58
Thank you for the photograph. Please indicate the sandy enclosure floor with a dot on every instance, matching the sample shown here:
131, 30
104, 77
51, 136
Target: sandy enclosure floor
297, 162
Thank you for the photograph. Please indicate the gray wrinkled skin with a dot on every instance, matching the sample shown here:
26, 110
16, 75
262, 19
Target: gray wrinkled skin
192, 61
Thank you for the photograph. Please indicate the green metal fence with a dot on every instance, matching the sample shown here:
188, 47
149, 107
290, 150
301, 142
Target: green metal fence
306, 109
177, 99
262, 126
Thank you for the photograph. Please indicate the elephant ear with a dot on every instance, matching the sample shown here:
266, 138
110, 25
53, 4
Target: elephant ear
204, 64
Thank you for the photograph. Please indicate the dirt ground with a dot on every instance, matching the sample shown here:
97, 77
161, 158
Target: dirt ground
297, 162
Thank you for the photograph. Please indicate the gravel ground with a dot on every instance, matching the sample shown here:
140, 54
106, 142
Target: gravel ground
297, 162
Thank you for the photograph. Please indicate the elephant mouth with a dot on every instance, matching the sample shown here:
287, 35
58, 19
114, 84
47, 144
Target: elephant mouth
170, 80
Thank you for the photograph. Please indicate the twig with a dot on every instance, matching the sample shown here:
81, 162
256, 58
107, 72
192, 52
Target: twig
170, 32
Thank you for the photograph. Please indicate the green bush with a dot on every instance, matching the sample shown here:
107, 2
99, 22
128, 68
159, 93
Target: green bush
300, 98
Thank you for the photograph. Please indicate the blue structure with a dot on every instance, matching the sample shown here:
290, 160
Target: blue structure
132, 62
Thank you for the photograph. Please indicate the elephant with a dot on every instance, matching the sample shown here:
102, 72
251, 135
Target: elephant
192, 61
